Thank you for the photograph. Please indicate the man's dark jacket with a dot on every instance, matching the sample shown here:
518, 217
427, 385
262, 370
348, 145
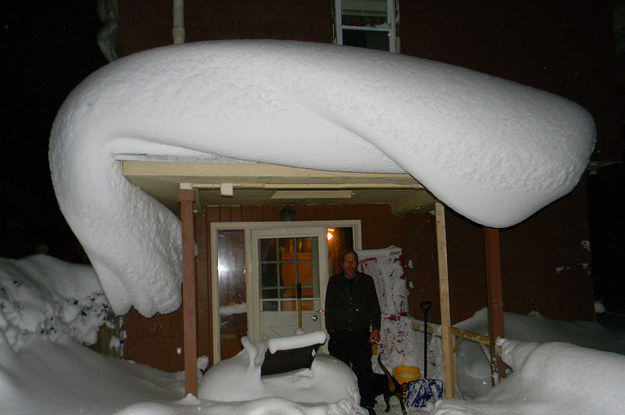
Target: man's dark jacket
352, 311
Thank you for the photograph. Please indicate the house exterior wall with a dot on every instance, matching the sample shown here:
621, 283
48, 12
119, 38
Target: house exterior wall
156, 341
543, 267
561, 47
147, 24
544, 263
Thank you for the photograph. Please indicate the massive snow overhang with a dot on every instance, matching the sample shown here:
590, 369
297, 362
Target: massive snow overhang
493, 150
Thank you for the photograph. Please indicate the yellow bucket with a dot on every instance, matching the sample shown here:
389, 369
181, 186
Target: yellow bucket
405, 374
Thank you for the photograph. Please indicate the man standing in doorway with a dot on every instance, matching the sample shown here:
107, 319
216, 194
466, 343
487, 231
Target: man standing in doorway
351, 309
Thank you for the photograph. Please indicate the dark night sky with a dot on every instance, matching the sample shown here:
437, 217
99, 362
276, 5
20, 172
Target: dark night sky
48, 48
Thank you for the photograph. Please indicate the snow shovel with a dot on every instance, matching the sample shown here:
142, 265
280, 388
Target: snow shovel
423, 391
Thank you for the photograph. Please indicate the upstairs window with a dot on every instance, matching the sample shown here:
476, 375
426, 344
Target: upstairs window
366, 23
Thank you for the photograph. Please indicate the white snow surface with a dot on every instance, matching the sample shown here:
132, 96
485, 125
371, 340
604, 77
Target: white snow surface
328, 381
474, 378
296, 342
43, 296
493, 150
55, 375
550, 378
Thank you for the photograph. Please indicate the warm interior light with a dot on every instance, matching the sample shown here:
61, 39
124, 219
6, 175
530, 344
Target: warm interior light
330, 233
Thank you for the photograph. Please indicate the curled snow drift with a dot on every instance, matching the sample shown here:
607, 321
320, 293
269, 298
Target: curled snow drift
493, 150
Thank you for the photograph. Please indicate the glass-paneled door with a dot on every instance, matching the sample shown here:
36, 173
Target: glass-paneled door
289, 278
270, 278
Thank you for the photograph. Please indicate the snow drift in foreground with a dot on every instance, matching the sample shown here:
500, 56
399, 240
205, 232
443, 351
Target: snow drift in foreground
474, 376
54, 375
551, 378
493, 150
44, 296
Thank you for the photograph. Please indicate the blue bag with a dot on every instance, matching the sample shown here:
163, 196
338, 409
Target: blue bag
423, 391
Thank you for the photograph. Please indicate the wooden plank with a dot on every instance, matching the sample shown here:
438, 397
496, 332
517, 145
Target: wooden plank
495, 301
474, 337
203, 287
189, 290
443, 279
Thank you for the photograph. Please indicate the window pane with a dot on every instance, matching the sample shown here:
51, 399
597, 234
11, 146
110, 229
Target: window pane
305, 273
267, 250
372, 8
269, 275
271, 293
296, 262
288, 293
304, 245
231, 267
287, 249
287, 274
366, 39
232, 289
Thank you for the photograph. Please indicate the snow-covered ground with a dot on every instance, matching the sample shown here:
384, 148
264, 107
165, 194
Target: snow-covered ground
48, 371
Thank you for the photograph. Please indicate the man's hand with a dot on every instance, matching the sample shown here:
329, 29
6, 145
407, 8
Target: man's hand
375, 336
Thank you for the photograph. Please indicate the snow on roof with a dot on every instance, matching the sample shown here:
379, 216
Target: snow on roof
493, 150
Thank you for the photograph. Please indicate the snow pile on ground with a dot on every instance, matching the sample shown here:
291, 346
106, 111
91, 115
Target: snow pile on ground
493, 150
54, 375
328, 385
48, 306
474, 378
41, 295
62, 377
551, 378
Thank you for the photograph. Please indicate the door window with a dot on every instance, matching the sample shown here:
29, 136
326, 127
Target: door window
288, 266
232, 289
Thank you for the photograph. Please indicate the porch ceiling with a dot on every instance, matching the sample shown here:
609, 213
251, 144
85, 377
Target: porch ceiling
266, 184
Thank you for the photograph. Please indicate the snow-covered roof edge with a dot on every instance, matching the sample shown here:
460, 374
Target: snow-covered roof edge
493, 150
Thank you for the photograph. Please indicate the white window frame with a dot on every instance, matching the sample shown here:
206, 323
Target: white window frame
390, 27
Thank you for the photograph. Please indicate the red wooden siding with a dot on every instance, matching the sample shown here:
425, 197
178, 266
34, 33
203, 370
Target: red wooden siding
543, 267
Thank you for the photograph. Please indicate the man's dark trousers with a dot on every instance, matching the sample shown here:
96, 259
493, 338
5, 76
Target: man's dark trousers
354, 349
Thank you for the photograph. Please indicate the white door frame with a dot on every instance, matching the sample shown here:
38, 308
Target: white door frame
252, 297
284, 232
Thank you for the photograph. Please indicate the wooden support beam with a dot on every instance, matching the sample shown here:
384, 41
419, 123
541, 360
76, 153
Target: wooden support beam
443, 281
495, 301
189, 290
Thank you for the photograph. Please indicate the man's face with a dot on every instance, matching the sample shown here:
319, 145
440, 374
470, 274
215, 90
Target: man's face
349, 264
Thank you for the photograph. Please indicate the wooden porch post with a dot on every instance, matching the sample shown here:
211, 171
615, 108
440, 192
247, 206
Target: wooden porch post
443, 281
186, 196
495, 301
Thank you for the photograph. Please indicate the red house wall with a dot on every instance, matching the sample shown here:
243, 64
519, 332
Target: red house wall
562, 47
